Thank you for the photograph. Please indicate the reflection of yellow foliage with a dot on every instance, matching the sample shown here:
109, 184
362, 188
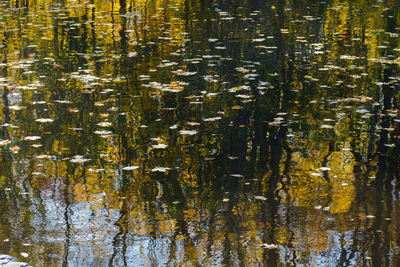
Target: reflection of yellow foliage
281, 235
310, 189
344, 24
342, 179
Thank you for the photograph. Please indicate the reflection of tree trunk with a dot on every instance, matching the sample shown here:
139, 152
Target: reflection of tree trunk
94, 39
270, 257
119, 237
379, 248
144, 25
387, 90
210, 232
67, 221
83, 39
346, 254
6, 110
122, 32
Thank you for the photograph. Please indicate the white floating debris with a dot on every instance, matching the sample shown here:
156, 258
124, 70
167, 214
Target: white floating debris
160, 169
132, 54
4, 142
104, 124
236, 175
44, 120
130, 168
78, 159
32, 138
103, 133
260, 198
15, 107
159, 146
188, 132
316, 174
212, 119
323, 169
269, 246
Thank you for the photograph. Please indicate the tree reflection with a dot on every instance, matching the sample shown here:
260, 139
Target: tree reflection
215, 132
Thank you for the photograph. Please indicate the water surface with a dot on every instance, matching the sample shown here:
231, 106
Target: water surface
200, 133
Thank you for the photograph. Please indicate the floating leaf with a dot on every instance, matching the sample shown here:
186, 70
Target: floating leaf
104, 124
32, 138
4, 142
130, 168
159, 146
160, 169
43, 156
236, 175
237, 107
79, 159
324, 169
44, 120
325, 126
212, 119
15, 149
316, 174
188, 132
269, 246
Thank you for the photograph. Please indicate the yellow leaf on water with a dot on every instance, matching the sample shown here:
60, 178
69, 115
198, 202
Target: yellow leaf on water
237, 107
15, 149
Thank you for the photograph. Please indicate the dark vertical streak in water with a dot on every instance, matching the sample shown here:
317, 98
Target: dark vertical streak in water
67, 211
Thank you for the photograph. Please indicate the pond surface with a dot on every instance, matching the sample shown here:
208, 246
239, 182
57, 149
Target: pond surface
200, 133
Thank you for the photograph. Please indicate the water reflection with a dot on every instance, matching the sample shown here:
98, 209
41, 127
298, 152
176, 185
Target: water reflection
202, 133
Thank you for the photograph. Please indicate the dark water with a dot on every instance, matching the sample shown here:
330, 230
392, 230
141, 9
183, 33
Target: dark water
200, 133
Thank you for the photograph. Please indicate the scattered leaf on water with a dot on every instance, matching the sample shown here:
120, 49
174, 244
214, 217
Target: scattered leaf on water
159, 146
325, 126
130, 168
15, 149
32, 138
4, 142
237, 107
44, 120
104, 124
323, 169
160, 169
188, 132
269, 246
78, 159
36, 145
43, 156
316, 174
